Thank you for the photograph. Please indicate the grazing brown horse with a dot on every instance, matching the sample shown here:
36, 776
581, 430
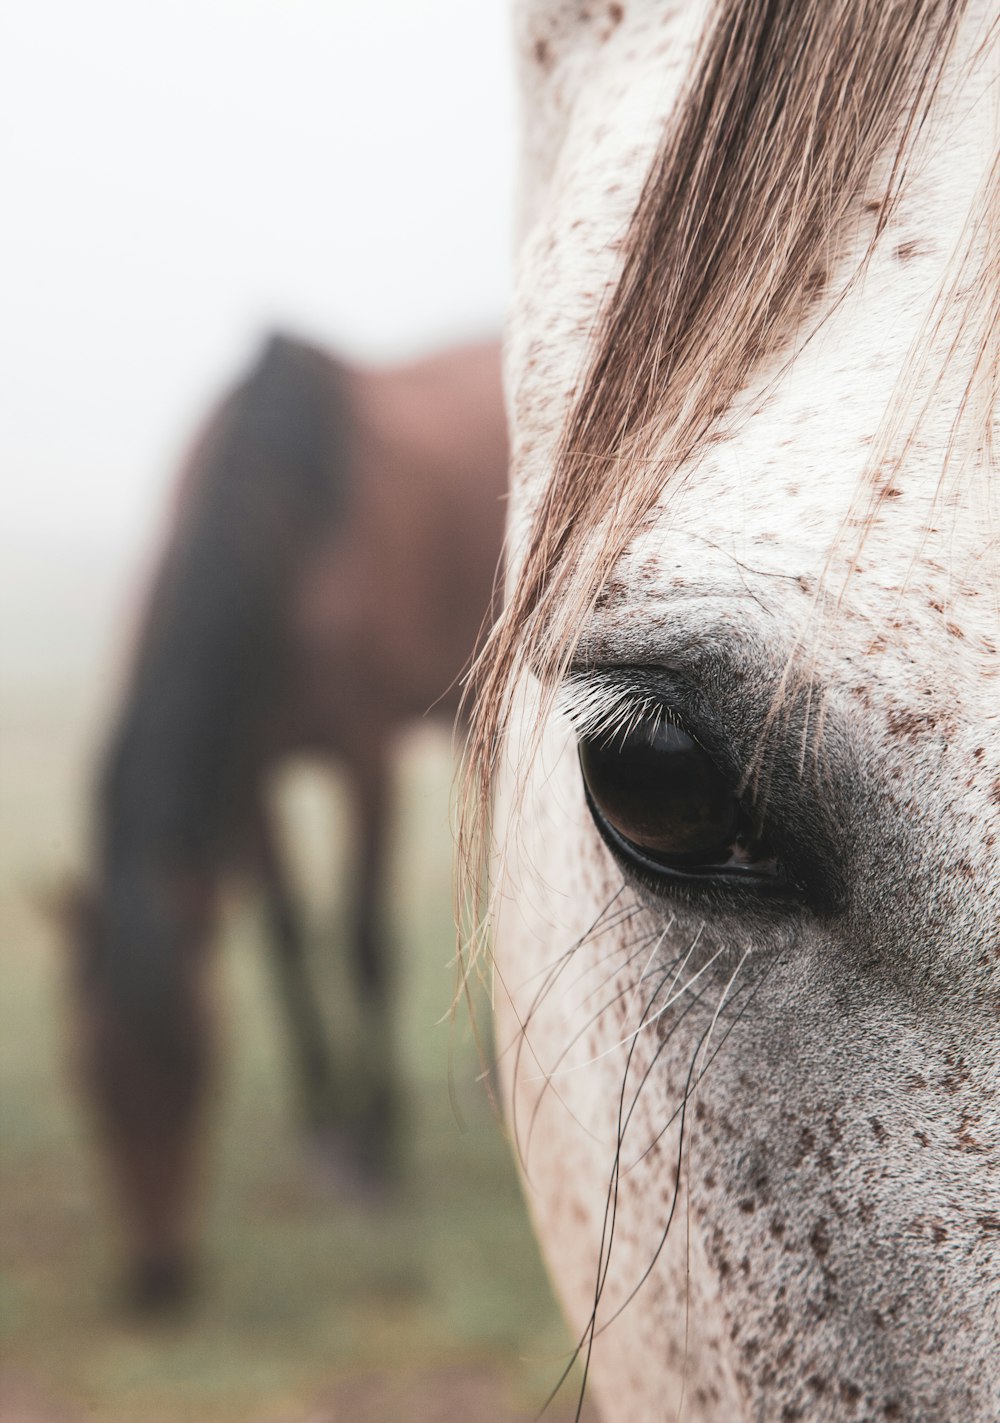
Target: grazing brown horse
329, 568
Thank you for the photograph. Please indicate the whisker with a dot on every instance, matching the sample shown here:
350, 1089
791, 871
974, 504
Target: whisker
648, 1022
568, 1046
681, 1112
585, 1344
725, 993
635, 948
596, 931
673, 1118
604, 958
652, 953
550, 980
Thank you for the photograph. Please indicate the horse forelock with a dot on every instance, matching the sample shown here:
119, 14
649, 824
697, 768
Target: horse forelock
795, 128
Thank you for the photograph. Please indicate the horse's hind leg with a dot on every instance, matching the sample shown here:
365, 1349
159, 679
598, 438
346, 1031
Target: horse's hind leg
308, 1031
377, 1087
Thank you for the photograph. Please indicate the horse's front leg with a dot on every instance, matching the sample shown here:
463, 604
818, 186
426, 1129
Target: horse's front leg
377, 1085
287, 940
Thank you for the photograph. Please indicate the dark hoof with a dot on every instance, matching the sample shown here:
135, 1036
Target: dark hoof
160, 1286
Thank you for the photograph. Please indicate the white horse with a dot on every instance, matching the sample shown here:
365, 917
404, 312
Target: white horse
742, 708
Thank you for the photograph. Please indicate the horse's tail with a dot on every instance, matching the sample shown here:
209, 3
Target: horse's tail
268, 472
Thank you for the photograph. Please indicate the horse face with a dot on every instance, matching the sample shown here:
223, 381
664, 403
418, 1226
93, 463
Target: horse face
142, 1050
749, 922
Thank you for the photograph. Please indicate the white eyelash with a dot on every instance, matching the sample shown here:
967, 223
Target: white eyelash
597, 707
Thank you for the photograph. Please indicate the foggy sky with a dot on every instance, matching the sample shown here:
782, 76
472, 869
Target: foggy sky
180, 177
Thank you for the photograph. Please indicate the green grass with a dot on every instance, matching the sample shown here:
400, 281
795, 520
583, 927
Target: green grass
299, 1289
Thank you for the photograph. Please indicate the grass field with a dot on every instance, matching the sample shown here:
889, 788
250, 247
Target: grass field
432, 1306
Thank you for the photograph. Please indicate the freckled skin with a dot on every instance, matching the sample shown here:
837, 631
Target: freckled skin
834, 1245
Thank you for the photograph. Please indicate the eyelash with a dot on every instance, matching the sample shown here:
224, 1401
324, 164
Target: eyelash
597, 708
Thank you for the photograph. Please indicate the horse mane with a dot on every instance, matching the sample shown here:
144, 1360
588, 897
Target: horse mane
795, 113
261, 477
267, 472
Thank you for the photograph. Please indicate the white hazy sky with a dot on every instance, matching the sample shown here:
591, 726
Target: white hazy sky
176, 178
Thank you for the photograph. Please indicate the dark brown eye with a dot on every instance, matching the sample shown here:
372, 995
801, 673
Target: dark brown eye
658, 797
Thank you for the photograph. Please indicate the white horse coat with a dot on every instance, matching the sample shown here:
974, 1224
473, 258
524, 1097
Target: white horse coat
833, 1249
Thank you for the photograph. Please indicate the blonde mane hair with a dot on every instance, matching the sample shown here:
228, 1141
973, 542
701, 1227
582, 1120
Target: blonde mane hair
799, 117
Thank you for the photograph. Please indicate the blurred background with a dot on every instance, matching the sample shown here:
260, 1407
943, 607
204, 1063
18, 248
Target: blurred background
179, 179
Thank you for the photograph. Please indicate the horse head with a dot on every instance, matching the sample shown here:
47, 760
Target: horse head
136, 943
741, 708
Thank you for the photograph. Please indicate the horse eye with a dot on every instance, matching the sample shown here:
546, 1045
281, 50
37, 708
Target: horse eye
659, 798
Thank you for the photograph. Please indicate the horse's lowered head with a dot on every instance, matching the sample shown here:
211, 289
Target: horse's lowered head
743, 704
137, 938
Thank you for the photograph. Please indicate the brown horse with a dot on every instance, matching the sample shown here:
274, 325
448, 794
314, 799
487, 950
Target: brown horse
330, 565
